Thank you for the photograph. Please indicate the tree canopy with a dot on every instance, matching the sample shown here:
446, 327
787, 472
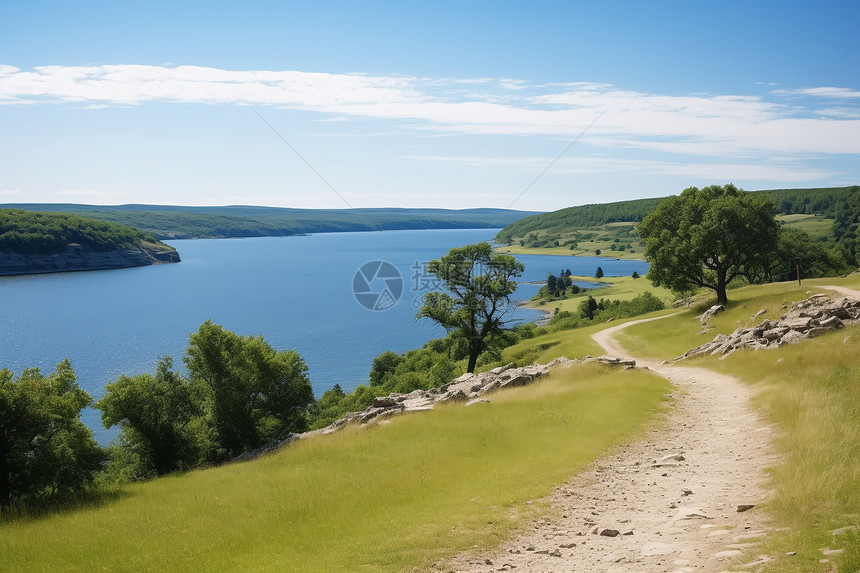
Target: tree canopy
478, 284
45, 449
239, 395
155, 415
707, 237
256, 393
29, 232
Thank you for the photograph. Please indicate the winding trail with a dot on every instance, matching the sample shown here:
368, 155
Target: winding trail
676, 514
673, 496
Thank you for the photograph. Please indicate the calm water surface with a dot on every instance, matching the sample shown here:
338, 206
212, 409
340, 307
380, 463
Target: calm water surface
295, 291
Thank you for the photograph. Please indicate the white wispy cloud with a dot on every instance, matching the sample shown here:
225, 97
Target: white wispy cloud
786, 172
728, 125
828, 92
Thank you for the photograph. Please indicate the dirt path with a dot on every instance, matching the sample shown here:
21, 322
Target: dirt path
844, 291
672, 497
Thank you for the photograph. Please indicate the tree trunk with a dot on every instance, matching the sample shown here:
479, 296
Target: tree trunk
473, 360
476, 346
722, 298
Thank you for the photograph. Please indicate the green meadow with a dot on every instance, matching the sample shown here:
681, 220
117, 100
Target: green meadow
617, 288
396, 497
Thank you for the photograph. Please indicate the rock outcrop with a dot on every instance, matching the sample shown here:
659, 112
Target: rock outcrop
468, 388
806, 319
80, 258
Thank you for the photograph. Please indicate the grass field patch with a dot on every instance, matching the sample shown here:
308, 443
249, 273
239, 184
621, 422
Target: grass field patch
396, 497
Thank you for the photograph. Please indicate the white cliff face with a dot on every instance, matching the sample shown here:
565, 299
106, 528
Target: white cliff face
78, 258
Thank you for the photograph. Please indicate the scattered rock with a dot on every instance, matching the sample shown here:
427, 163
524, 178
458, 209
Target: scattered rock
844, 530
691, 513
745, 507
679, 457
384, 402
610, 533
711, 312
825, 551
611, 360
806, 319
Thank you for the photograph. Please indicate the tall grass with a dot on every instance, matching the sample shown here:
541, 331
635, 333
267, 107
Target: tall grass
397, 497
811, 391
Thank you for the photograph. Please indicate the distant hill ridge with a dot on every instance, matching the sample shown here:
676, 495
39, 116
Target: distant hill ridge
818, 201
185, 222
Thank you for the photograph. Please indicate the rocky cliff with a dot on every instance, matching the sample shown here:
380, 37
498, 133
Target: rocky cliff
79, 258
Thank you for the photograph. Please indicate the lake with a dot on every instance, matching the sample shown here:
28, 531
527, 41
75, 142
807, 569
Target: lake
295, 291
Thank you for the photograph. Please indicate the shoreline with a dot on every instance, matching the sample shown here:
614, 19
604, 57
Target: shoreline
77, 258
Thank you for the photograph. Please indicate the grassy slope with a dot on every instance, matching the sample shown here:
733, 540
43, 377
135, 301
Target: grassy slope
621, 288
811, 392
396, 497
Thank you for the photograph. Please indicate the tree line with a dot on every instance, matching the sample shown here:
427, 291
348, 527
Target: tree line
239, 394
177, 222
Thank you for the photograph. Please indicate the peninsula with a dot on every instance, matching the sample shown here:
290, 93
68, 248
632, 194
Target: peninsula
35, 243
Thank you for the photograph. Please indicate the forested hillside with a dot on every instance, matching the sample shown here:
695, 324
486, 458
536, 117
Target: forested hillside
826, 214
29, 232
35, 242
826, 202
583, 216
182, 222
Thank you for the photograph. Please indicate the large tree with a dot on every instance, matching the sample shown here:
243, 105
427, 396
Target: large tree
707, 237
45, 449
155, 414
479, 283
256, 393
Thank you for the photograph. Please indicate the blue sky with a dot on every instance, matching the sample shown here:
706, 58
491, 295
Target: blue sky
443, 104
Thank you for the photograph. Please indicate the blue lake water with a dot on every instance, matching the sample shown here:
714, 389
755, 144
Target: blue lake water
295, 291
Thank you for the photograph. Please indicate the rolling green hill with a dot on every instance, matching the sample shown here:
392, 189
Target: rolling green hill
609, 229
183, 222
